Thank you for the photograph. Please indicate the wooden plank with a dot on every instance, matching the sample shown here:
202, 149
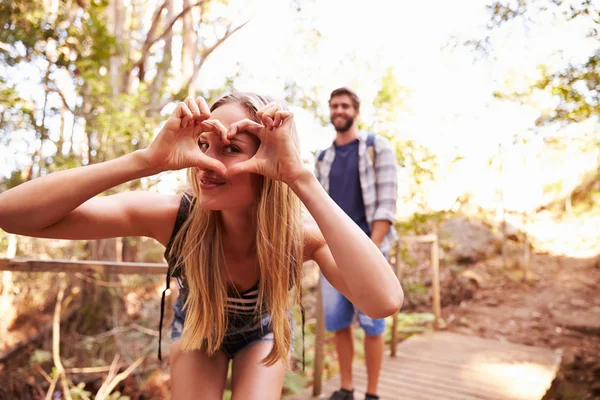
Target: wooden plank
424, 347
444, 365
129, 268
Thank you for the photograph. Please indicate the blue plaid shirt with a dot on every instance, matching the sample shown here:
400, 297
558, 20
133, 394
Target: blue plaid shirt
378, 181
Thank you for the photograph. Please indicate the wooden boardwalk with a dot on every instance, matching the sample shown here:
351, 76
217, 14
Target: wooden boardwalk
449, 366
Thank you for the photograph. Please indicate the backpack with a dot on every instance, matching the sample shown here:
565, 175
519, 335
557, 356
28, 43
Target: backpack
370, 150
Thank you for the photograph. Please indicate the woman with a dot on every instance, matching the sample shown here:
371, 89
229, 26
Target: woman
236, 241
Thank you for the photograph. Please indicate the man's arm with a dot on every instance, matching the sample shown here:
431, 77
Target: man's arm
386, 182
379, 230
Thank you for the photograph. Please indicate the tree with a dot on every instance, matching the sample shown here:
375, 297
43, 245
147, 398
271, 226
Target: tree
573, 86
418, 164
105, 71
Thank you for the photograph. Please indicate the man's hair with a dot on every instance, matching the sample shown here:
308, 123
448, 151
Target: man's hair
347, 92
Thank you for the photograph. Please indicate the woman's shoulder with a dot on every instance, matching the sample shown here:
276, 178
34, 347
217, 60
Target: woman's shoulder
161, 212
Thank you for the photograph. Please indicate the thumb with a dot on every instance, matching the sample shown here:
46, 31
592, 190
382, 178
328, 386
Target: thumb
245, 167
205, 162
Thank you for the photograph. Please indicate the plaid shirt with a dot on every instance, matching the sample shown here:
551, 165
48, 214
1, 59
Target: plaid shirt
379, 182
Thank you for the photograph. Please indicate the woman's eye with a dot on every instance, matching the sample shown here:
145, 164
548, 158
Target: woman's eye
203, 146
232, 149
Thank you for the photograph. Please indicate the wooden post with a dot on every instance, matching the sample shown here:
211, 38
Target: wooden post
397, 262
525, 248
435, 266
319, 340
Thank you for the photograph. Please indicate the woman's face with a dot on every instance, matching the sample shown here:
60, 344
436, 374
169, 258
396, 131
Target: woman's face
239, 191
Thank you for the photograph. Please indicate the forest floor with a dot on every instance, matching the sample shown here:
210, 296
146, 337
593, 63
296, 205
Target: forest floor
557, 306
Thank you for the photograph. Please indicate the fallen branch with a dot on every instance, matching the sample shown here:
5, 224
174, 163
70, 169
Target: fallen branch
124, 374
103, 391
51, 388
92, 370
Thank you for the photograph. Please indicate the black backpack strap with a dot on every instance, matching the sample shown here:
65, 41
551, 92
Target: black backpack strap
182, 214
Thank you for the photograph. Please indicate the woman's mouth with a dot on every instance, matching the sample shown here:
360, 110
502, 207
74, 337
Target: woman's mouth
211, 182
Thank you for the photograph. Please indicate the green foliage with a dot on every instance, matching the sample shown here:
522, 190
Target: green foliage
294, 382
79, 393
39, 357
576, 86
306, 99
419, 223
112, 85
418, 163
117, 396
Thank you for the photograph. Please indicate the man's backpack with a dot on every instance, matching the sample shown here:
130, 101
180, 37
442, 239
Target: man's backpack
370, 150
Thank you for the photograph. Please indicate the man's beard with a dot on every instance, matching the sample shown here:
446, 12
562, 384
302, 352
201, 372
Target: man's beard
345, 127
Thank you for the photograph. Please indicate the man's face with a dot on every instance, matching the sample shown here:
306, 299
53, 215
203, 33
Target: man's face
342, 112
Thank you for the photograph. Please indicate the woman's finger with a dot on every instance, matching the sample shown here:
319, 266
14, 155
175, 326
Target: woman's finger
205, 162
251, 166
281, 117
203, 107
268, 114
183, 113
246, 125
193, 106
214, 125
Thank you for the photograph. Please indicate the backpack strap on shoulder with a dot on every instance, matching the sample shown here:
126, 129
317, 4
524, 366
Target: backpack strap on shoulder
371, 147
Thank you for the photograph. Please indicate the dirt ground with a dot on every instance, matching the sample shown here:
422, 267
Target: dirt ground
557, 306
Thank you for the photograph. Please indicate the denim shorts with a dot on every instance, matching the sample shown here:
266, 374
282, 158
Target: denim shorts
340, 312
236, 339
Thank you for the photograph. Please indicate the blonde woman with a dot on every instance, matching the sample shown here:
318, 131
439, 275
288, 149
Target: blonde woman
236, 241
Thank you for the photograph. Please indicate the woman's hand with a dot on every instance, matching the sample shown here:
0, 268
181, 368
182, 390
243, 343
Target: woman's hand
176, 146
277, 157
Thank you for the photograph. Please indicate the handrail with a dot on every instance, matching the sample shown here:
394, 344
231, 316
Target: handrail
33, 265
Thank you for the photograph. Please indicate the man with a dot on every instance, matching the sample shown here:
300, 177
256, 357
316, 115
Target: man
359, 173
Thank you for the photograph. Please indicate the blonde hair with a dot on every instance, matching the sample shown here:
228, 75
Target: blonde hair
279, 244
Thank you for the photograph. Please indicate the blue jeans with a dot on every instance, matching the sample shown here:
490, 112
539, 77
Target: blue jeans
340, 312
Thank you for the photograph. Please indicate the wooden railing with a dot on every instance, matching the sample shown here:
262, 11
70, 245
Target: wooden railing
103, 267
106, 268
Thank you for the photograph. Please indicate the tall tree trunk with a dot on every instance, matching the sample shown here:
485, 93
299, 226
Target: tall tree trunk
188, 50
164, 66
115, 21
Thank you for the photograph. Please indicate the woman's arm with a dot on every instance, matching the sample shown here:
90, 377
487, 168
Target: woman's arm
37, 205
63, 204
349, 259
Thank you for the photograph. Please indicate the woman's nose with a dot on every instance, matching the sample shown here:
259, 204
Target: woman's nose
213, 152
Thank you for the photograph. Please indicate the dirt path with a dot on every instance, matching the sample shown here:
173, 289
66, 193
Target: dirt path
559, 308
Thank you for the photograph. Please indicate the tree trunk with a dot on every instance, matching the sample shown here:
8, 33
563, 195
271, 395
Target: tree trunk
165, 64
115, 21
188, 50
